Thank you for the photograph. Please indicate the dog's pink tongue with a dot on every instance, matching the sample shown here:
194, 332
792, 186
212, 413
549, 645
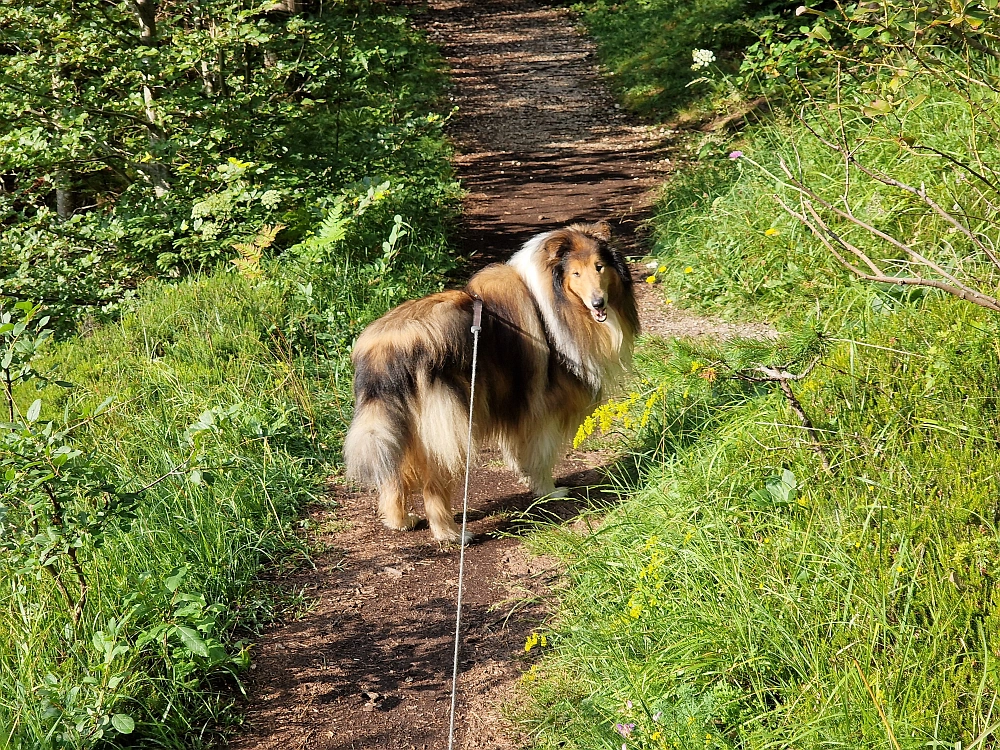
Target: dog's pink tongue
599, 315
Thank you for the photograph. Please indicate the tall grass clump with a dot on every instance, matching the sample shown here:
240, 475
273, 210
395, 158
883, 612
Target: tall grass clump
185, 439
155, 463
730, 245
745, 598
203, 422
806, 557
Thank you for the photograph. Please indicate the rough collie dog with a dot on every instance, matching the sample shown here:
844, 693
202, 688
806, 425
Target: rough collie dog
558, 324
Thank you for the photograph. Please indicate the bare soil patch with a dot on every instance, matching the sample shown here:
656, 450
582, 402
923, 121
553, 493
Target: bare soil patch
540, 143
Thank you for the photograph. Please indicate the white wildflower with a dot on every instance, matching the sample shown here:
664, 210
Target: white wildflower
702, 58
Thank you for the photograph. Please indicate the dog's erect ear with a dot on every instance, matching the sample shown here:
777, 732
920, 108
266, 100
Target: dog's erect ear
555, 246
599, 231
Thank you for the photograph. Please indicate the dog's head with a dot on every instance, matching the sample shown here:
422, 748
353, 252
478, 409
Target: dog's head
585, 267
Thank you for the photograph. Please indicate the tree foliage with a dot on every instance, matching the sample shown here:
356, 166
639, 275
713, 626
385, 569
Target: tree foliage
149, 136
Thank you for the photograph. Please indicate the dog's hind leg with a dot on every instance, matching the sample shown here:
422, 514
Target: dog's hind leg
393, 505
437, 504
538, 456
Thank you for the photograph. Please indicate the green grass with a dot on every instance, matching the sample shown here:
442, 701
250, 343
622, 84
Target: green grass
730, 248
751, 618
227, 394
740, 596
645, 47
261, 367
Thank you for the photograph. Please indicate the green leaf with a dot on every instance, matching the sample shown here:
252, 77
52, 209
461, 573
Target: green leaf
192, 640
34, 410
103, 406
123, 723
820, 32
877, 108
917, 101
173, 581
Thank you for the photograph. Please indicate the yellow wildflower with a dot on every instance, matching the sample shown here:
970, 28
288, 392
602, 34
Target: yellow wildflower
771, 232
606, 418
585, 430
651, 279
689, 269
661, 269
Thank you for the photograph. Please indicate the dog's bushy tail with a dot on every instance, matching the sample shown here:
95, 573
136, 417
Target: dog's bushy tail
376, 443
410, 391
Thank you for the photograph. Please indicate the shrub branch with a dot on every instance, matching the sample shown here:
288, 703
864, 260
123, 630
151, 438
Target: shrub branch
784, 378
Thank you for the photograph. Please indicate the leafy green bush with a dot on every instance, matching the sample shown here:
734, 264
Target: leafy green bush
647, 45
149, 137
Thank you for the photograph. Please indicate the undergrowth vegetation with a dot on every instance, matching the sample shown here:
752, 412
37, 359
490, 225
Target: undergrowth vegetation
646, 46
158, 450
806, 554
147, 137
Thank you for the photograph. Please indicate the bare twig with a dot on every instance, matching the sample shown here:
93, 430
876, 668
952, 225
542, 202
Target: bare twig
823, 232
784, 378
921, 193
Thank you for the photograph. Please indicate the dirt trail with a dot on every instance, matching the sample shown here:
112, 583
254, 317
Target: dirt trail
540, 143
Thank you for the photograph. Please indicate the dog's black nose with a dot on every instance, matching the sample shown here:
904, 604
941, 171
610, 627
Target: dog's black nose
598, 303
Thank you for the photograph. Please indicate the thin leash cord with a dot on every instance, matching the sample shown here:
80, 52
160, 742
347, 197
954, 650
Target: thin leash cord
477, 313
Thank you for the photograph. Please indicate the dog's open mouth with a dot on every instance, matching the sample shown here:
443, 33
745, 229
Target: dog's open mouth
599, 315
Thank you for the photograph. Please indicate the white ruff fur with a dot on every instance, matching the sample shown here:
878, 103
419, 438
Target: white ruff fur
594, 369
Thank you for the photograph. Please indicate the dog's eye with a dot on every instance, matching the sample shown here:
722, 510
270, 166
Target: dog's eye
599, 267
576, 273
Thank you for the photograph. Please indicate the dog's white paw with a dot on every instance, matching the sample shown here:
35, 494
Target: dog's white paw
407, 523
453, 537
554, 493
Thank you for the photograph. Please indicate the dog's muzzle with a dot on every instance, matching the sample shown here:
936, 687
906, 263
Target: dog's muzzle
599, 310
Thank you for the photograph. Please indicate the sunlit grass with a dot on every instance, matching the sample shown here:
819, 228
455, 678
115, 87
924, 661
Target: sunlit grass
742, 597
260, 364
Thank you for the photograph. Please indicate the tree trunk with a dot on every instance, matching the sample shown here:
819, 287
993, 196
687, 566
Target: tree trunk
156, 172
64, 202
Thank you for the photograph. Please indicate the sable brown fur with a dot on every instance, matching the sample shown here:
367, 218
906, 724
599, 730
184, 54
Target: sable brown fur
559, 320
